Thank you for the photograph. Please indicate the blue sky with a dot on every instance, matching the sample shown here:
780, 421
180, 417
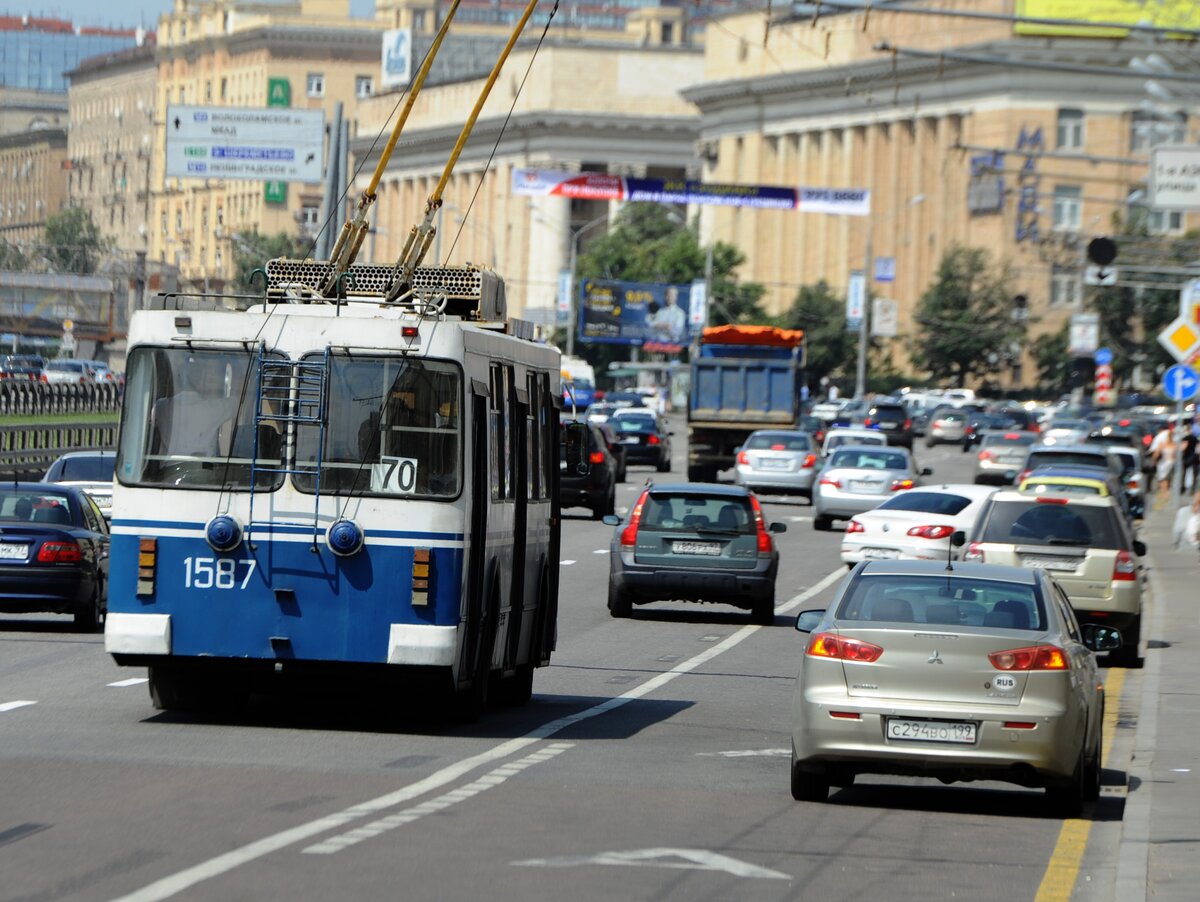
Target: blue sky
117, 13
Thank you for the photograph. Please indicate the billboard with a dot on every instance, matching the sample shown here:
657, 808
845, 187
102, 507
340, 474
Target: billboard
1184, 14
650, 315
603, 186
397, 58
268, 143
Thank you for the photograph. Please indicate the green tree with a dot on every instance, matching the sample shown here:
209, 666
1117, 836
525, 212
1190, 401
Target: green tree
965, 318
829, 347
74, 242
12, 259
252, 250
647, 244
1049, 353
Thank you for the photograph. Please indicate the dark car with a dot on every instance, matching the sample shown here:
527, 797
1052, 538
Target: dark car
893, 420
53, 552
644, 436
592, 482
22, 367
1010, 419
815, 427
615, 448
694, 542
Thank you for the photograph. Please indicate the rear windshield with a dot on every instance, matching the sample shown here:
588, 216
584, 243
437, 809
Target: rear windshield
943, 600
836, 441
926, 502
86, 469
779, 441
1008, 438
1065, 459
1050, 487
682, 512
868, 459
36, 507
626, 423
1046, 523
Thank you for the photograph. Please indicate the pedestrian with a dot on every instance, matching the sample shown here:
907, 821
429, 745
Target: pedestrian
1189, 459
1163, 450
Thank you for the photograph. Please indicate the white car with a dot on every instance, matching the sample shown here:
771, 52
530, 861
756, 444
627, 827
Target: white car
915, 525
836, 438
92, 471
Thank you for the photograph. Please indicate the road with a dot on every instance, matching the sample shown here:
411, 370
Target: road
652, 763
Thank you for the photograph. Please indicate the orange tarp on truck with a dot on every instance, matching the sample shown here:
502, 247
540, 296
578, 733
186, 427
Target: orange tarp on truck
753, 335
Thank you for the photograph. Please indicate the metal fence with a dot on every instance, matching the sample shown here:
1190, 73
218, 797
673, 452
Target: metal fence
20, 397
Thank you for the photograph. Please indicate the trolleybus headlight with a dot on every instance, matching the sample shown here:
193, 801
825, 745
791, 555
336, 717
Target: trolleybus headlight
344, 538
224, 533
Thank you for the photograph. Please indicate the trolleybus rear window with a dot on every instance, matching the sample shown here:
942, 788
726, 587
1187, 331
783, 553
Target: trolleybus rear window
393, 429
189, 421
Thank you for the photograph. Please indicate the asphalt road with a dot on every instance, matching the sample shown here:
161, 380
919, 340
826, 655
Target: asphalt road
652, 763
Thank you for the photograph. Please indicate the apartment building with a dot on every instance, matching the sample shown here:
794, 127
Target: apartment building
32, 186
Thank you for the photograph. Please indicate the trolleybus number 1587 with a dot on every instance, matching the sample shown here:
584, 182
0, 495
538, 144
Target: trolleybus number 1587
221, 573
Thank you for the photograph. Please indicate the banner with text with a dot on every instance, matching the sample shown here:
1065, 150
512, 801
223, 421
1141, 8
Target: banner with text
651, 315
602, 186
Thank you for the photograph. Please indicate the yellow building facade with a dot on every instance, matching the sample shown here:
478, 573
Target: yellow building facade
32, 187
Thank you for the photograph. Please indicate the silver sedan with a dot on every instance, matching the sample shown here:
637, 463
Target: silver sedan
981, 673
777, 462
857, 478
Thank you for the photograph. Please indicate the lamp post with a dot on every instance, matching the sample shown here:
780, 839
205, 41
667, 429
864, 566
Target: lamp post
572, 260
864, 330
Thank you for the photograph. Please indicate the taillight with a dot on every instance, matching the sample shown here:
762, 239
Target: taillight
985, 455
1124, 567
1042, 499
744, 458
1034, 427
66, 552
1011, 437
809, 461
1146, 440
596, 457
778, 448
931, 532
765, 544
899, 485
836, 483
1034, 657
908, 424
974, 553
855, 526
652, 440
867, 421
1024, 475
831, 645
629, 533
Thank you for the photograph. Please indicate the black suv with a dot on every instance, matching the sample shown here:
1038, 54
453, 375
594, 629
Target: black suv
592, 481
893, 421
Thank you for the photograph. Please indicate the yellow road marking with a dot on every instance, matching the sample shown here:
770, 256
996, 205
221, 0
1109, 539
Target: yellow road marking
1063, 869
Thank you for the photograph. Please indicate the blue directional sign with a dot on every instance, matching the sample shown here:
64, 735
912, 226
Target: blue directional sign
1103, 357
1181, 382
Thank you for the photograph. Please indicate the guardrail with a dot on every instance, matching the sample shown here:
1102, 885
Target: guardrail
21, 397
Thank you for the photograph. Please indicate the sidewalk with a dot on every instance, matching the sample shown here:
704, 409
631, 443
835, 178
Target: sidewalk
1160, 840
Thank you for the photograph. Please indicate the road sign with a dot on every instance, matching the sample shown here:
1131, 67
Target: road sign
1175, 177
1084, 335
856, 300
1181, 339
1100, 275
1103, 356
885, 269
1104, 398
1181, 383
1104, 377
267, 143
885, 318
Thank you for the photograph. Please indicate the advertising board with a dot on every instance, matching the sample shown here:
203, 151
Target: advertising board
650, 315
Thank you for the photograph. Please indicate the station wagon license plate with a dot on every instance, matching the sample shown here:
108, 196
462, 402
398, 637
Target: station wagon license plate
11, 551
960, 732
708, 548
880, 554
1049, 563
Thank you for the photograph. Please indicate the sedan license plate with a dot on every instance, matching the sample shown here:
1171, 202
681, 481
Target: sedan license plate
880, 554
708, 548
11, 551
865, 486
1049, 563
772, 463
959, 732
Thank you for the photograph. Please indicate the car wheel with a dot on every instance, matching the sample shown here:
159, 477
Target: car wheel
929, 443
1066, 797
664, 465
470, 704
809, 785
621, 472
619, 604
517, 689
1127, 654
89, 619
176, 689
822, 523
763, 612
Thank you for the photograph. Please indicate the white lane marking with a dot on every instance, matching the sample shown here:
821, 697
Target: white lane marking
12, 706
693, 860
1181, 770
565, 563
747, 753
136, 681
214, 867
801, 519
432, 806
600, 551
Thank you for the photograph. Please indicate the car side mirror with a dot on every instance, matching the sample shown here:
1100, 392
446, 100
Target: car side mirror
778, 527
610, 520
926, 471
1101, 638
1139, 547
807, 621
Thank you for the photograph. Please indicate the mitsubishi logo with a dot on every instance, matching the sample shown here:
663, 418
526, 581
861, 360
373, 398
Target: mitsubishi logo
935, 658
886, 527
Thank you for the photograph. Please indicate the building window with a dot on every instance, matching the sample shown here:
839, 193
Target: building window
1070, 129
1066, 290
1147, 131
316, 84
310, 216
224, 84
668, 32
418, 20
178, 220
164, 222
1068, 208
364, 86
220, 216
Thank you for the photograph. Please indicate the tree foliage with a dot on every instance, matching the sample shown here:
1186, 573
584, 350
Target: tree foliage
74, 241
830, 347
1049, 352
966, 327
12, 259
252, 250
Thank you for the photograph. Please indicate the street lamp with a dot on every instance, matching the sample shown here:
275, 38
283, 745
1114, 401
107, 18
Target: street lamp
572, 260
864, 329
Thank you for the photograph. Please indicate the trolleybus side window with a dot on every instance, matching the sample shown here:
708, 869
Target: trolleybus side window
189, 421
500, 405
393, 429
539, 413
